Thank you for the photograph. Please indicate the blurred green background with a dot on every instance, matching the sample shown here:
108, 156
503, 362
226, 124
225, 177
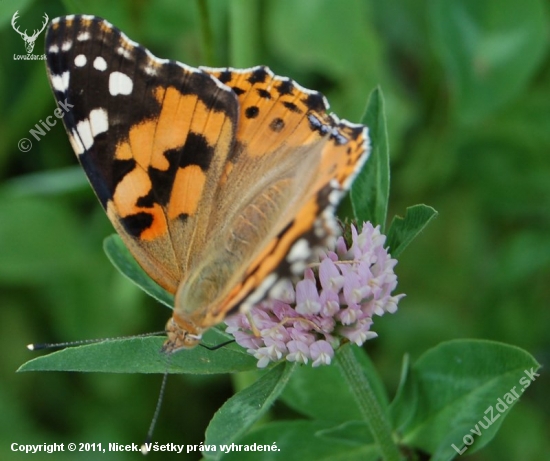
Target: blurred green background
467, 88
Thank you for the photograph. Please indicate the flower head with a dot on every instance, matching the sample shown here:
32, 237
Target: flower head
333, 303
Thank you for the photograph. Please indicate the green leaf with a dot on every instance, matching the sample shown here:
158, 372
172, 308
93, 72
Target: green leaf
143, 355
120, 257
401, 414
402, 231
490, 49
43, 183
352, 432
370, 190
242, 410
332, 399
302, 441
463, 388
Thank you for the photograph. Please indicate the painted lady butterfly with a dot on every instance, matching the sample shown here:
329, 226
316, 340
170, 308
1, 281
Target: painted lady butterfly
221, 182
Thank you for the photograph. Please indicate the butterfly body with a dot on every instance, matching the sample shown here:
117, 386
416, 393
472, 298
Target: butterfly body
221, 182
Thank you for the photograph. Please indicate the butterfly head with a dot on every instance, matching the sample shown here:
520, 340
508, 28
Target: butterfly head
181, 335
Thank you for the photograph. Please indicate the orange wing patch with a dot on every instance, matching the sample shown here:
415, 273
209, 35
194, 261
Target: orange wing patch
189, 182
273, 109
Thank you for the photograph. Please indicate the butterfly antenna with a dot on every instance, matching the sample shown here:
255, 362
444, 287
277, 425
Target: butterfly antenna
145, 447
37, 347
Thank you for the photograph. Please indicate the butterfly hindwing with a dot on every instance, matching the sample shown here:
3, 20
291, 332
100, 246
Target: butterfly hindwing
302, 160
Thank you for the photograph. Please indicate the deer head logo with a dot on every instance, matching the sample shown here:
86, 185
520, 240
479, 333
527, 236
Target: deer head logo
29, 41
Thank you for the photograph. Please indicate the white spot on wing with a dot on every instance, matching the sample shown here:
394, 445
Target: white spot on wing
298, 267
334, 197
123, 52
150, 70
99, 121
300, 251
53, 49
120, 83
84, 131
78, 147
325, 224
80, 60
66, 46
100, 63
60, 82
83, 36
83, 137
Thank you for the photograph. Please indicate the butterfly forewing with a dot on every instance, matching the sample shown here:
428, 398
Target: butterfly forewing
152, 136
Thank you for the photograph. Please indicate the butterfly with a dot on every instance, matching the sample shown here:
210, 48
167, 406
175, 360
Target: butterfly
221, 182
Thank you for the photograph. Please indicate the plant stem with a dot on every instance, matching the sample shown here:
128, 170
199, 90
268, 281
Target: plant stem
368, 405
207, 40
244, 32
